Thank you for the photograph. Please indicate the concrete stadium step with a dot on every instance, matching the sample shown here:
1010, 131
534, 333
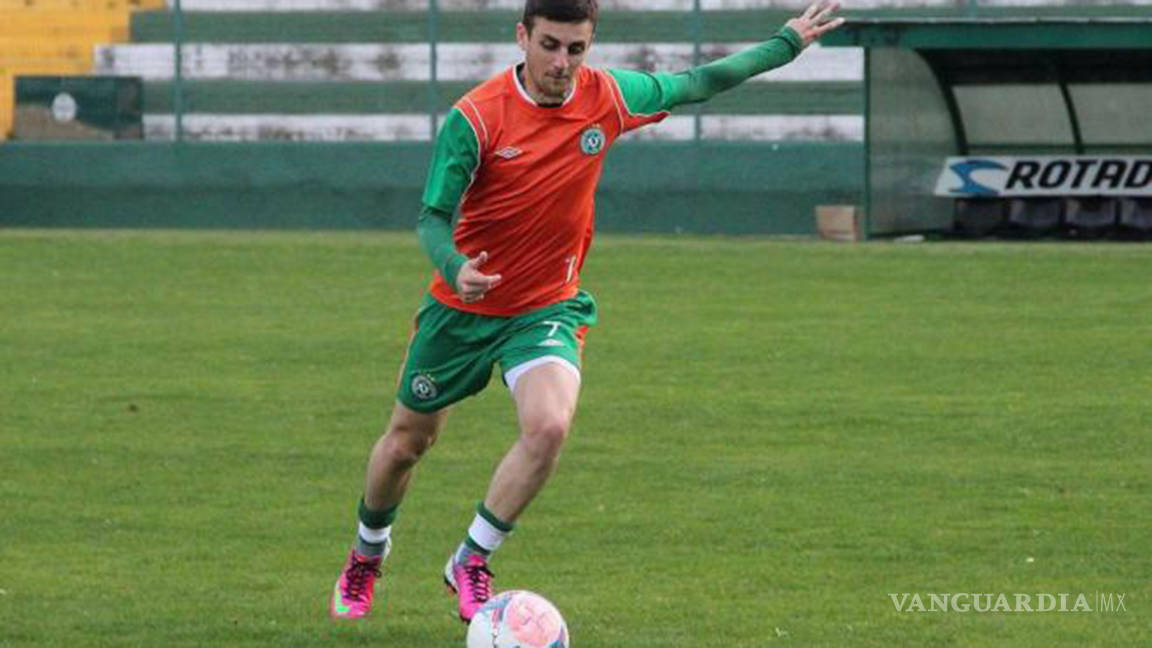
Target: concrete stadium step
455, 5
99, 5
333, 22
34, 49
62, 23
459, 26
411, 62
606, 5
294, 128
495, 25
469, 26
302, 98
45, 66
332, 98
418, 127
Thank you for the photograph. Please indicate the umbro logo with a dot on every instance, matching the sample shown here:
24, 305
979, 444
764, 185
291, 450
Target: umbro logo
509, 152
550, 342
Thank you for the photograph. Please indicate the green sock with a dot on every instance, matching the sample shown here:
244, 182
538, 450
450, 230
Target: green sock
485, 535
375, 534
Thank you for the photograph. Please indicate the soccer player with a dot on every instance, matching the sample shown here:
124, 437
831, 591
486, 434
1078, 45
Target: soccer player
519, 157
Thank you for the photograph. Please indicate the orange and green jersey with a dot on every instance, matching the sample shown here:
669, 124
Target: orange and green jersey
524, 176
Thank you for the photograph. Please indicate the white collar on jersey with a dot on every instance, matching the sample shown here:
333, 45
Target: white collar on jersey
528, 97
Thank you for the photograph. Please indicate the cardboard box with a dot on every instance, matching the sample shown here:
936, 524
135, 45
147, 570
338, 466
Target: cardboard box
838, 222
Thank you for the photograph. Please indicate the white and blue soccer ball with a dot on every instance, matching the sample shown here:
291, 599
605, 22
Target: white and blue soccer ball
518, 619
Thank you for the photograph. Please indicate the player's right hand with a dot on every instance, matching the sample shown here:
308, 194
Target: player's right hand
471, 284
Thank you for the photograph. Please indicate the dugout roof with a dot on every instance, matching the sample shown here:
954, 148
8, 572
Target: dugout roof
970, 86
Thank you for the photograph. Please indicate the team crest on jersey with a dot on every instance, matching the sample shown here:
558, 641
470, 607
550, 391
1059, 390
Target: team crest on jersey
592, 140
423, 387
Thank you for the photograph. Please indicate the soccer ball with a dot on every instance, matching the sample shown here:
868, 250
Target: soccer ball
518, 619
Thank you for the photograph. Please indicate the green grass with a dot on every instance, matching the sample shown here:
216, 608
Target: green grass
773, 436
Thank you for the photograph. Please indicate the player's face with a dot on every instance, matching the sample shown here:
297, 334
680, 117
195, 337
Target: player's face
553, 54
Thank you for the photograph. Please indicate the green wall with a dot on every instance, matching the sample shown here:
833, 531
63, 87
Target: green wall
731, 188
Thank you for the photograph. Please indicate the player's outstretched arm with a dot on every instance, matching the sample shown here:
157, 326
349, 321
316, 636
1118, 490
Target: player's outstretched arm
708, 80
652, 93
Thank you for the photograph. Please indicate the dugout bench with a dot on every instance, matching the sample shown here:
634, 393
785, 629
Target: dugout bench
982, 127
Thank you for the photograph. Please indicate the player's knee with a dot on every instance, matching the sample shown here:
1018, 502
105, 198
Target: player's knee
404, 453
405, 446
546, 433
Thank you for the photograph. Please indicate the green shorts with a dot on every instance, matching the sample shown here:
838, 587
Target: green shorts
452, 353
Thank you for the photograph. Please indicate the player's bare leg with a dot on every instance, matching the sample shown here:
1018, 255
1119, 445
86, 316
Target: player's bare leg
390, 468
545, 404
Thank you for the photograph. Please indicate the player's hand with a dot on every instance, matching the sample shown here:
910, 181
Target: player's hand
471, 284
816, 21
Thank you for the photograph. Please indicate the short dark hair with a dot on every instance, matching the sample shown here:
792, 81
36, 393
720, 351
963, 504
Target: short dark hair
567, 11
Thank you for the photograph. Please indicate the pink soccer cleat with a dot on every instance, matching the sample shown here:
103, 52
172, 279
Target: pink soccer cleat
471, 582
352, 598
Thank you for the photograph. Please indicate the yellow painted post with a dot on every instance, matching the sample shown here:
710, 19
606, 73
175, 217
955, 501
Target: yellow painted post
7, 103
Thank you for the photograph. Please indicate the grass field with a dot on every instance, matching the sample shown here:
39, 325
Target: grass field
773, 437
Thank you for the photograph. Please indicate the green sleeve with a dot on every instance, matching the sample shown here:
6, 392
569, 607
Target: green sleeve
454, 162
647, 93
434, 229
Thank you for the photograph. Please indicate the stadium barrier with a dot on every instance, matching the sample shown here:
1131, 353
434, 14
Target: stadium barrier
707, 188
220, 77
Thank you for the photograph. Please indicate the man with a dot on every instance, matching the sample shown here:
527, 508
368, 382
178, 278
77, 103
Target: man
519, 156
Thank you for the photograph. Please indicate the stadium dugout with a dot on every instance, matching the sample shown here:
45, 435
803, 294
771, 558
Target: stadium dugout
1006, 126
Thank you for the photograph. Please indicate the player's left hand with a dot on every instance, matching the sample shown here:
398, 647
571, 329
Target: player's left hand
471, 283
816, 21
